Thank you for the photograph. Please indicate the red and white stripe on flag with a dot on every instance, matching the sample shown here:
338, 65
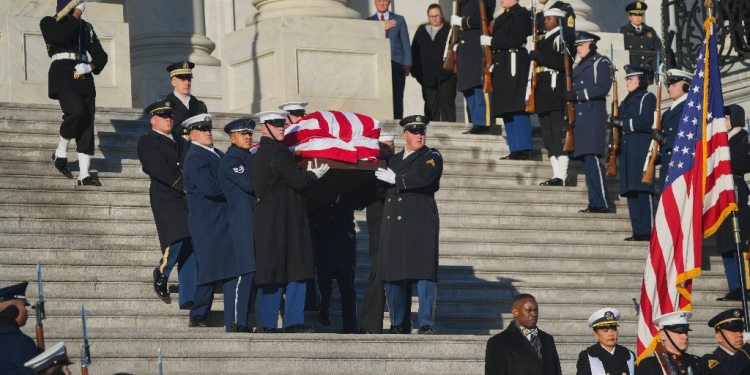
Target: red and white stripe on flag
698, 196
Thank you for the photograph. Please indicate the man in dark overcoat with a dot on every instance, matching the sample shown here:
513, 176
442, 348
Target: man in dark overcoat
470, 69
15, 347
732, 356
550, 87
162, 156
640, 39
184, 104
635, 123
522, 348
678, 84
71, 82
510, 75
592, 80
234, 176
673, 334
215, 255
409, 237
283, 248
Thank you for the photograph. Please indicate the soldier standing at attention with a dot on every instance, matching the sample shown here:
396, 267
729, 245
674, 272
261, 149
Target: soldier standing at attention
606, 356
409, 237
673, 333
72, 84
732, 356
569, 23
640, 39
15, 347
592, 81
162, 155
184, 104
678, 84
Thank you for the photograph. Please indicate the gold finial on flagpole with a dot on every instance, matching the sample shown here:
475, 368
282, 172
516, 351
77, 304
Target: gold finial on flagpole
709, 8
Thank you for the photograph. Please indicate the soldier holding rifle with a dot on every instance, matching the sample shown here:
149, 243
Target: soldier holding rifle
510, 73
15, 347
637, 118
672, 357
678, 84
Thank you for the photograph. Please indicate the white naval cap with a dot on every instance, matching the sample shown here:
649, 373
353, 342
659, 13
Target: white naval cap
293, 106
554, 12
675, 321
606, 317
56, 355
386, 137
271, 116
202, 121
674, 75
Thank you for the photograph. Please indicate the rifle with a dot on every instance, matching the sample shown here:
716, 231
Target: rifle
612, 165
487, 54
85, 354
570, 114
449, 57
653, 150
531, 86
64, 11
39, 307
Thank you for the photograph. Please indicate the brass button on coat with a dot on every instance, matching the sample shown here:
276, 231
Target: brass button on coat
389, 218
399, 199
399, 217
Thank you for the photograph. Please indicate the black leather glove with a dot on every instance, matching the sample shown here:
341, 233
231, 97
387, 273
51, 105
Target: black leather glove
615, 122
534, 55
570, 96
658, 136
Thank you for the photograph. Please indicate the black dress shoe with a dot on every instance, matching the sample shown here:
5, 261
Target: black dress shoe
62, 165
160, 286
89, 181
324, 317
553, 182
523, 155
365, 332
511, 156
478, 130
733, 295
263, 329
395, 330
298, 328
187, 305
233, 327
198, 323
639, 237
597, 210
427, 330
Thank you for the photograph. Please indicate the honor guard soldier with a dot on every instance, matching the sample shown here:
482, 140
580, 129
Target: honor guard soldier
72, 84
234, 176
162, 156
606, 356
208, 217
184, 104
295, 111
678, 85
510, 75
739, 153
53, 361
550, 87
411, 223
592, 81
640, 39
732, 356
522, 348
283, 249
569, 19
469, 70
673, 333
15, 347
635, 123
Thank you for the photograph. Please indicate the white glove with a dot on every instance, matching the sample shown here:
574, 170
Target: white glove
455, 47
455, 20
82, 69
485, 40
319, 171
388, 175
82, 7
746, 336
492, 67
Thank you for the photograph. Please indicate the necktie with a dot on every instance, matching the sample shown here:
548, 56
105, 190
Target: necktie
536, 343
382, 17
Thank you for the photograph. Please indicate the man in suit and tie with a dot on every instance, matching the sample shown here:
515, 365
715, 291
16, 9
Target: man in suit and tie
395, 30
522, 349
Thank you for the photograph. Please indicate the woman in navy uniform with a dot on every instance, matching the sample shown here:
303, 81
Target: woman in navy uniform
184, 104
234, 176
72, 84
161, 156
15, 347
606, 356
640, 39
732, 356
636, 122
409, 236
592, 81
678, 84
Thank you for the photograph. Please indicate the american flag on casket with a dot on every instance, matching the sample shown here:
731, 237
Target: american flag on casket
343, 136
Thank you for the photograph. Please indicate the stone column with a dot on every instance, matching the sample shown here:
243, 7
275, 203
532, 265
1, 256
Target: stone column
268, 9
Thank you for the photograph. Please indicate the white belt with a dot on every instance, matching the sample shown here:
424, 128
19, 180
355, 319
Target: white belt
69, 56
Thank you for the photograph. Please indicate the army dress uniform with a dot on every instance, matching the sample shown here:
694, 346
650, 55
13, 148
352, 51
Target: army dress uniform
15, 347
682, 363
722, 361
670, 123
643, 42
184, 108
162, 156
596, 359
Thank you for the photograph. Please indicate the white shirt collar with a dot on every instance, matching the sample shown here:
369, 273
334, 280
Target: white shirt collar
549, 33
637, 28
610, 352
678, 101
166, 135
185, 100
208, 148
387, 15
407, 153
721, 346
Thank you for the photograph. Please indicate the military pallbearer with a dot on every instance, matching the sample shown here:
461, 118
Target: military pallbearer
184, 104
732, 356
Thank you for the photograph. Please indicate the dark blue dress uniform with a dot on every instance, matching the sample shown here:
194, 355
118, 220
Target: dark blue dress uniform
234, 176
209, 224
470, 69
592, 81
569, 23
596, 359
183, 70
720, 361
409, 237
642, 42
670, 121
15, 347
162, 159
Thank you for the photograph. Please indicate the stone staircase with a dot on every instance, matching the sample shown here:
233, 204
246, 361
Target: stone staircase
501, 235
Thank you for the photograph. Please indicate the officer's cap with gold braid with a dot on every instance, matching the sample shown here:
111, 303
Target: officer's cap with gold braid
182, 70
416, 124
203, 121
637, 8
161, 108
730, 320
607, 317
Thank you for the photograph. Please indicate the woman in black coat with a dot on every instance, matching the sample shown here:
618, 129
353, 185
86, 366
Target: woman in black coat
438, 84
606, 356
